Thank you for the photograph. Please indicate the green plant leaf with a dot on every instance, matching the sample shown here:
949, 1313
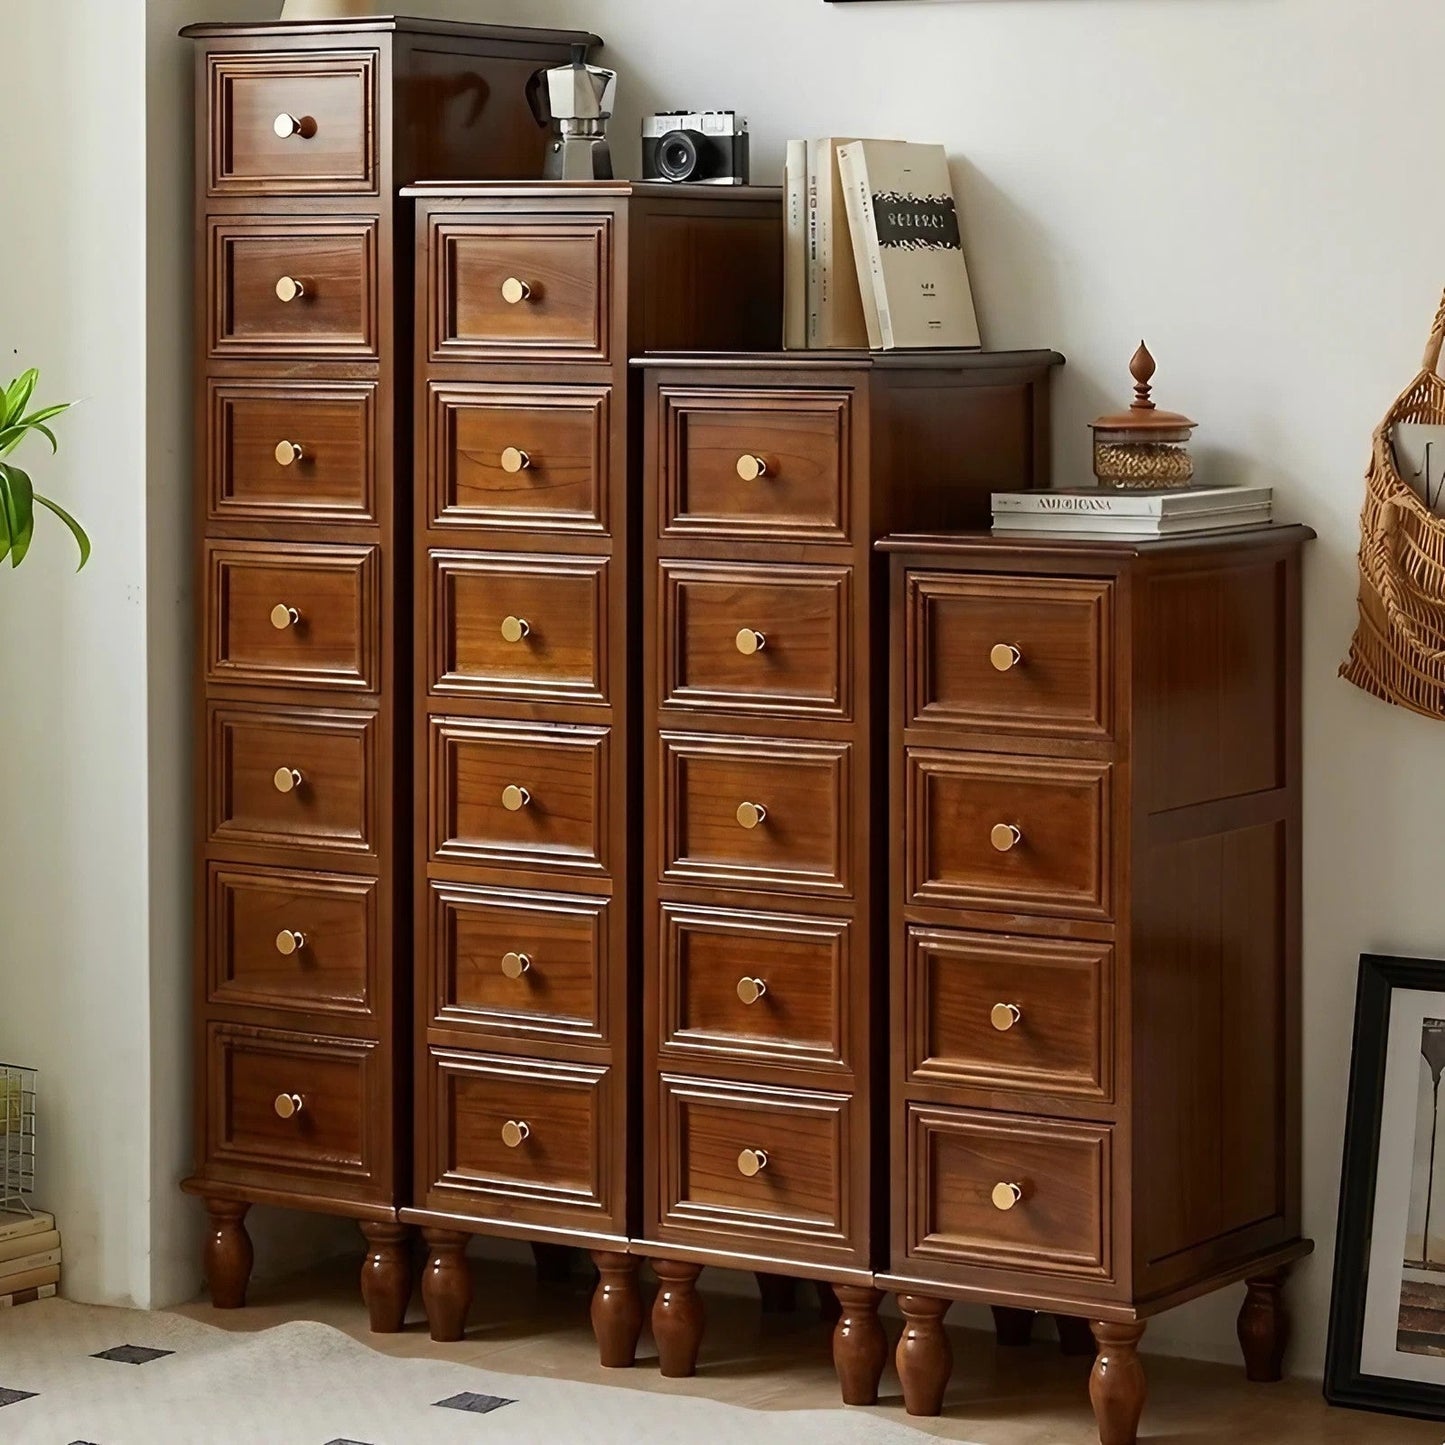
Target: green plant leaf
4, 525
18, 394
19, 504
76, 530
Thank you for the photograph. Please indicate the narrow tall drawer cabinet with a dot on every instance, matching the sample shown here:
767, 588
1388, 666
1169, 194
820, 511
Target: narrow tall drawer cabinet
1095, 970
530, 301
763, 944
303, 425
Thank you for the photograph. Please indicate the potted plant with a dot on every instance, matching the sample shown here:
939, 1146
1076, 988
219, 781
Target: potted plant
18, 497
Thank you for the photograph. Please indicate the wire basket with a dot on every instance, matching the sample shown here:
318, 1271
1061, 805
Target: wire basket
17, 1136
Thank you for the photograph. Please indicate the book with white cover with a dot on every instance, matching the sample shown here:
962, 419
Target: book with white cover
16, 1226
27, 1244
795, 248
39, 1260
908, 245
835, 303
1074, 524
1105, 501
26, 1296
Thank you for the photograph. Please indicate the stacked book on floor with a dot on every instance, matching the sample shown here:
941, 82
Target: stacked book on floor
29, 1258
1105, 512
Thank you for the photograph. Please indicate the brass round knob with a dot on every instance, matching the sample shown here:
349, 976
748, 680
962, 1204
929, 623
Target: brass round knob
1005, 1196
752, 1162
288, 1106
283, 617
514, 799
750, 468
514, 460
303, 127
1003, 1016
515, 1132
514, 965
1004, 836
288, 289
288, 453
1005, 655
288, 941
750, 990
287, 780
514, 629
751, 814
514, 292
749, 642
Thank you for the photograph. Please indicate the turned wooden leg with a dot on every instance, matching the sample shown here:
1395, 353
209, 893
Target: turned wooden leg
860, 1348
1264, 1327
446, 1284
616, 1309
677, 1317
779, 1293
1014, 1328
1117, 1385
1076, 1339
386, 1275
925, 1358
228, 1254
554, 1263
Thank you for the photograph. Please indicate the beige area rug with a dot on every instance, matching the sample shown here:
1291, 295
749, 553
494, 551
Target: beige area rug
75, 1375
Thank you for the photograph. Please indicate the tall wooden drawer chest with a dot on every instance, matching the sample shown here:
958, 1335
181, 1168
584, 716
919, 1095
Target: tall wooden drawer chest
1094, 978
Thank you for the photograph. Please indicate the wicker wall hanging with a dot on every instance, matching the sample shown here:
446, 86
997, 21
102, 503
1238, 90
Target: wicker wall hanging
1399, 648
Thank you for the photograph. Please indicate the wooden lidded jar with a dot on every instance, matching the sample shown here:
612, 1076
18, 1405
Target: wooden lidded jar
1143, 449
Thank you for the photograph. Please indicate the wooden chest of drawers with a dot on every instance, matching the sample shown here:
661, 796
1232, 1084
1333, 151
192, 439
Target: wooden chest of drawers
1094, 978
303, 304
768, 479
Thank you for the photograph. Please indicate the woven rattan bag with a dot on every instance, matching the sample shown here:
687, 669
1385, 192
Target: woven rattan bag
1399, 648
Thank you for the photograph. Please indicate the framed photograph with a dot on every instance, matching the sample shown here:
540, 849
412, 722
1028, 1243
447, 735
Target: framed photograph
1387, 1313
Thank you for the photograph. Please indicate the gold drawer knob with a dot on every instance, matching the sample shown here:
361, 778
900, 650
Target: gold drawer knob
515, 460
749, 641
288, 941
287, 780
288, 1106
514, 629
289, 453
302, 127
514, 799
1004, 656
515, 1132
514, 965
750, 990
1005, 836
750, 468
752, 1162
283, 617
514, 292
289, 289
1003, 1016
1006, 1196
751, 814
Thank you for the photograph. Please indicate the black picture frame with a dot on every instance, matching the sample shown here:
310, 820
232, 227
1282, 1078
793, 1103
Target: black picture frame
1346, 1384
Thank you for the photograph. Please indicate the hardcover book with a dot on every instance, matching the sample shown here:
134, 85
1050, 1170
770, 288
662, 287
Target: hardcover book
16, 1226
907, 245
1103, 501
26, 1296
1077, 524
835, 302
795, 248
27, 1244
27, 1262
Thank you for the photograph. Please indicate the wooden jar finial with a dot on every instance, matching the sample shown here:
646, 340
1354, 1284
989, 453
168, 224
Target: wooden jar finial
1142, 368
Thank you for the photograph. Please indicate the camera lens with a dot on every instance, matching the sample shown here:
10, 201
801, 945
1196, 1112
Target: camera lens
677, 155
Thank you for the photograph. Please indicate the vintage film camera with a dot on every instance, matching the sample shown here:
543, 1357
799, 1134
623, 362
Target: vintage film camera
699, 148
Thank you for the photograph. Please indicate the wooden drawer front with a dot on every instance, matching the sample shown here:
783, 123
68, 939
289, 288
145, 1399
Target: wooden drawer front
528, 963
1061, 631
989, 1011
565, 268
804, 841
803, 438
565, 1114
332, 145
335, 262
713, 961
1061, 861
555, 439
562, 822
713, 617
709, 1130
289, 940
284, 614
257, 1077
333, 806
522, 626
332, 425
1060, 1224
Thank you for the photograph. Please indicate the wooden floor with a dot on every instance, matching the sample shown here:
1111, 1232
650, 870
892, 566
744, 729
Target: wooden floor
997, 1397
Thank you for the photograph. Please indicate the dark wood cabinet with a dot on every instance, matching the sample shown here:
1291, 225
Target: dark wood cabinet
1095, 910
303, 306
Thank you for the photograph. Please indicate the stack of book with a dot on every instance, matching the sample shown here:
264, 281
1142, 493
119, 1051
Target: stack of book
1103, 512
29, 1258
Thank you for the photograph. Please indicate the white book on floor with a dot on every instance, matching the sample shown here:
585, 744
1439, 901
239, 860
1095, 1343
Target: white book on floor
1106, 501
26, 1296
